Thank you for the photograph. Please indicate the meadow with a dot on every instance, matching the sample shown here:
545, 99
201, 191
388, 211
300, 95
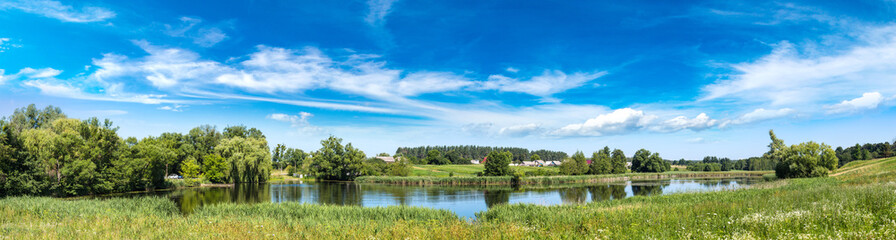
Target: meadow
858, 201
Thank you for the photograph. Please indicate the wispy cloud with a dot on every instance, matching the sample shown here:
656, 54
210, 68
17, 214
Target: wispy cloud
68, 91
173, 108
57, 10
192, 28
758, 115
377, 11
788, 77
550, 82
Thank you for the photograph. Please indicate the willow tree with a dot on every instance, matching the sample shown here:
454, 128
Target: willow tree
334, 161
249, 158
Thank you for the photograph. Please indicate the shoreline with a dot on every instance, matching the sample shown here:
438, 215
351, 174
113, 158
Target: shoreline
546, 180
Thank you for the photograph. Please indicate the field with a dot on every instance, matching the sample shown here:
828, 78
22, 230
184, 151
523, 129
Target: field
469, 170
857, 202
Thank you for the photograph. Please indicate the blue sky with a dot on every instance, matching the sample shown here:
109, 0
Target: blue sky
685, 79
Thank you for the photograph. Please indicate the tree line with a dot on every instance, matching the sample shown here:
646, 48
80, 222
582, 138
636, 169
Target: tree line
468, 152
43, 152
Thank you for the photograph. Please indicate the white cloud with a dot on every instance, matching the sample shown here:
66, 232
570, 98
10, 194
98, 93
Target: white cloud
68, 91
520, 130
163, 67
5, 45
377, 11
30, 74
544, 85
698, 123
512, 69
787, 76
173, 108
620, 121
760, 114
55, 9
297, 121
866, 102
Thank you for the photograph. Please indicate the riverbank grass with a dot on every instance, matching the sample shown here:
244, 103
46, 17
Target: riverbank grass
856, 202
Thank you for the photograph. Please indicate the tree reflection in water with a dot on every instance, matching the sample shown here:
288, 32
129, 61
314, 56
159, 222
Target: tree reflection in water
495, 197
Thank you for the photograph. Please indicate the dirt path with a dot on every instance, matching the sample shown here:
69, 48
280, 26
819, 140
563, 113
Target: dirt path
856, 169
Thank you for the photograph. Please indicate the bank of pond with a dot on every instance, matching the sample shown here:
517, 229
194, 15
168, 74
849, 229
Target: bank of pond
465, 201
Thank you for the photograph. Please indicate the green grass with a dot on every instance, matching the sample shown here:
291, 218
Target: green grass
858, 203
469, 170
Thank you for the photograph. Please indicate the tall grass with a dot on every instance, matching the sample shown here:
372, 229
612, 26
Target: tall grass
858, 204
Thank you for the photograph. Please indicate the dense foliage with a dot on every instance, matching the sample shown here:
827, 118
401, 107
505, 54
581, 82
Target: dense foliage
334, 161
807, 159
498, 164
468, 152
644, 161
575, 165
42, 152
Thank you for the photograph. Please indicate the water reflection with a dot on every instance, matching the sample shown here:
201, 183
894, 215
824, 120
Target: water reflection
465, 201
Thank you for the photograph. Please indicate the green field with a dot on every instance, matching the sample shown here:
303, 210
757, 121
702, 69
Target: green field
858, 201
469, 170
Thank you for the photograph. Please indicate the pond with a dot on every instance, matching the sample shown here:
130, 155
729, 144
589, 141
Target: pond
464, 201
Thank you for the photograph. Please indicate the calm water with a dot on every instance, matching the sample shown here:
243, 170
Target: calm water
465, 201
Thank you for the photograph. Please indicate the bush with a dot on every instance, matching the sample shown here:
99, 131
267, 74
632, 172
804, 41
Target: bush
498, 164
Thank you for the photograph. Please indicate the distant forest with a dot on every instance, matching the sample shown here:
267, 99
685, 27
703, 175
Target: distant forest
479, 152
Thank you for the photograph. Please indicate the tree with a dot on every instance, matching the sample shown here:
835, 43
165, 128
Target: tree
644, 161
215, 168
534, 157
575, 165
279, 156
191, 168
618, 161
333, 161
383, 155
601, 162
401, 167
249, 159
808, 159
498, 164
640, 160
434, 157
454, 158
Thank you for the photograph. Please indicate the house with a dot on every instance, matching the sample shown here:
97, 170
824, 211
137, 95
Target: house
529, 163
552, 163
474, 161
388, 159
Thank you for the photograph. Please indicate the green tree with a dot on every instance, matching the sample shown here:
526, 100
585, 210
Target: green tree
498, 164
534, 157
808, 159
454, 158
601, 162
575, 165
618, 161
215, 168
249, 159
435, 157
191, 168
334, 161
639, 160
278, 156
